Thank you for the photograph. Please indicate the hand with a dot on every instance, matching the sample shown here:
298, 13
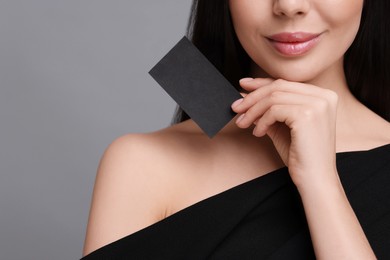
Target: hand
301, 121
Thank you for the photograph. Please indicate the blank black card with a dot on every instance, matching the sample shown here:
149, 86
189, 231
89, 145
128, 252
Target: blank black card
197, 86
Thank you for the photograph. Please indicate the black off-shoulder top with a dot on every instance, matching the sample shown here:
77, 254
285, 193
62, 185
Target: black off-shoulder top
263, 218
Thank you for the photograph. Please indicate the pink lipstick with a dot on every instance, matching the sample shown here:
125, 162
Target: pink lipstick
294, 44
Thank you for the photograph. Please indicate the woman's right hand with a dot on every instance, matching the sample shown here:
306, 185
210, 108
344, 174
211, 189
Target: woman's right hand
301, 121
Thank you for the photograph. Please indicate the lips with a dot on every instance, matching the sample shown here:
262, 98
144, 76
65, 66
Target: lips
294, 44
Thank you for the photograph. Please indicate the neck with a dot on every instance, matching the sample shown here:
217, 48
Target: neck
348, 106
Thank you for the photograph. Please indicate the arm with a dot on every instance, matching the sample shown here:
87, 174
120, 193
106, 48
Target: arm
335, 231
301, 121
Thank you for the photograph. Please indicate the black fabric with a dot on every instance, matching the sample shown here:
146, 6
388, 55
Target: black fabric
263, 218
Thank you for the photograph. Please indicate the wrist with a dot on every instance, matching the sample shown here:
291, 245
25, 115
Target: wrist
323, 183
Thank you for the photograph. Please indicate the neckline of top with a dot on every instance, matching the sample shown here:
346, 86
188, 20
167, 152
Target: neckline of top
385, 146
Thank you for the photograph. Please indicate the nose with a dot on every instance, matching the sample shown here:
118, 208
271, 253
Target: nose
291, 8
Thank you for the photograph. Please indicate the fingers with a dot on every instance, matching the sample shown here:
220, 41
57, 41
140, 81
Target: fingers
269, 94
251, 84
282, 85
262, 88
262, 105
277, 113
258, 92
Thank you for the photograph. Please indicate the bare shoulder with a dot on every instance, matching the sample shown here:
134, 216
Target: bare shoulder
143, 178
133, 183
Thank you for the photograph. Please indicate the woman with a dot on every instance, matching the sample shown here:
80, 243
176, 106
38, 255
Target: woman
313, 126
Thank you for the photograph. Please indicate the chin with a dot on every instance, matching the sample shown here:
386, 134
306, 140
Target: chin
294, 75
296, 72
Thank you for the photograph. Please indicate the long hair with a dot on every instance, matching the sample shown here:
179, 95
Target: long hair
366, 62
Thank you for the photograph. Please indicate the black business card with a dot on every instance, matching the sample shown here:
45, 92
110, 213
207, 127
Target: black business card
197, 86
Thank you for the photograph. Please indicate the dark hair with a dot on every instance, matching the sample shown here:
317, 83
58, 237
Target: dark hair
366, 62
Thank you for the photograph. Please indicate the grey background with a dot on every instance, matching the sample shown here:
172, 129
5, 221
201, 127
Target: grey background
73, 77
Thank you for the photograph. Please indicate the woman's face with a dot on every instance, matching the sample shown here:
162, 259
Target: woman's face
296, 40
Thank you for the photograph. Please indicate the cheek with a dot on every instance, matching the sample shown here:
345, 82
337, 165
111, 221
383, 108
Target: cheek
247, 15
343, 16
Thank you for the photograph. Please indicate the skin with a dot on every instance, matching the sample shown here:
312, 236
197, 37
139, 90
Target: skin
298, 112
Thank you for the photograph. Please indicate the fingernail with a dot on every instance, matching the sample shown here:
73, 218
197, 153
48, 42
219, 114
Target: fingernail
240, 118
245, 80
237, 102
